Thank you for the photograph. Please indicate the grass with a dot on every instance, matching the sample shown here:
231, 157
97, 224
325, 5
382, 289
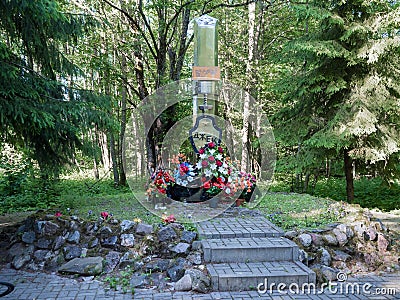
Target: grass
79, 196
291, 210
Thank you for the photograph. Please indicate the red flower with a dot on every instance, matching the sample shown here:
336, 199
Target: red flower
207, 184
104, 215
211, 158
220, 180
201, 150
169, 219
219, 163
220, 150
211, 144
58, 214
204, 163
162, 190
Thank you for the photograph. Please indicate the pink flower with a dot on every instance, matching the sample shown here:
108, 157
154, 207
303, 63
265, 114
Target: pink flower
169, 219
220, 150
58, 214
201, 151
219, 163
204, 163
211, 158
104, 215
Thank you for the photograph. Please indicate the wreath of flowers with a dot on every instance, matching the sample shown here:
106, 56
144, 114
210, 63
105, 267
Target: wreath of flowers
218, 174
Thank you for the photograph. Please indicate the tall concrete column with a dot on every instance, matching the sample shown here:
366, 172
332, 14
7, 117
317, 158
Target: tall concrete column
205, 68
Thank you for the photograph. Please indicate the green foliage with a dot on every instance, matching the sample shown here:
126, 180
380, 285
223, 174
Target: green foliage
370, 193
290, 210
40, 108
342, 92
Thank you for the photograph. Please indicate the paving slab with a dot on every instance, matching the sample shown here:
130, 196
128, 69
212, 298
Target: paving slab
249, 249
238, 228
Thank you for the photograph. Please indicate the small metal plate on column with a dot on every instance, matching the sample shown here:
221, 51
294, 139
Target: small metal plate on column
204, 131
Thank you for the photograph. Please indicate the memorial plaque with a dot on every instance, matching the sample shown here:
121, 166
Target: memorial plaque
204, 131
206, 73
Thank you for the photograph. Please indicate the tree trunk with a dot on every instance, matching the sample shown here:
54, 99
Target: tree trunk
114, 160
246, 104
348, 170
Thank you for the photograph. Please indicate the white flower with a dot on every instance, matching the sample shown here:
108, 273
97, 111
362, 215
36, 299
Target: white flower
228, 190
190, 178
208, 173
218, 156
191, 174
211, 151
213, 167
179, 181
222, 170
185, 183
190, 168
203, 156
224, 165
229, 179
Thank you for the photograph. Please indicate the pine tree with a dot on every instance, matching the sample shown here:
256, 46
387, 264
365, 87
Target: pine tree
40, 109
343, 98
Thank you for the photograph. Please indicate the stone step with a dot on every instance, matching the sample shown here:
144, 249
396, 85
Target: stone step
247, 276
249, 250
220, 228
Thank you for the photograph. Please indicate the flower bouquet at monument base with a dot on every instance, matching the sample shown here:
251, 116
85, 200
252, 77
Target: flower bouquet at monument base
213, 175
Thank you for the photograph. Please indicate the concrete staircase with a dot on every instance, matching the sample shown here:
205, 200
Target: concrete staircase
241, 253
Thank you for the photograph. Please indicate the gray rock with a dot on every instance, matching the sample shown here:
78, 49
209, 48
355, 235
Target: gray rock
138, 280
340, 236
341, 256
46, 228
200, 282
110, 242
181, 248
303, 256
196, 245
94, 243
359, 228
127, 240
371, 232
305, 239
329, 273
74, 237
177, 271
290, 234
111, 261
325, 258
330, 239
144, 229
105, 230
41, 255
346, 230
195, 258
184, 284
316, 239
126, 225
188, 236
160, 265
83, 266
21, 249
20, 260
59, 242
44, 243
166, 234
382, 243
73, 225
71, 252
29, 237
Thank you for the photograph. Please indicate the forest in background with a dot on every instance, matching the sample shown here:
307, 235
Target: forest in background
325, 72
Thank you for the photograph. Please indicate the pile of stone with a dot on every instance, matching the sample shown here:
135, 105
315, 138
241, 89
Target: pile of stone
361, 245
70, 245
